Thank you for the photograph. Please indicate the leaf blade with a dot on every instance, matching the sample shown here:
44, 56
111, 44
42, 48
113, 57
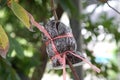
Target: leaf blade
4, 42
21, 13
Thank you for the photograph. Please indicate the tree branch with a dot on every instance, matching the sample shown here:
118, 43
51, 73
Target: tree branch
72, 69
39, 70
112, 8
53, 10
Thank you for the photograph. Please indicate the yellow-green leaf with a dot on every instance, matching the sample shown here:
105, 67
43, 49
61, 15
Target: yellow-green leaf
21, 13
4, 42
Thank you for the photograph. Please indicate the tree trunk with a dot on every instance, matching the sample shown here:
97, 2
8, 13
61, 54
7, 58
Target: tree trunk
75, 24
39, 70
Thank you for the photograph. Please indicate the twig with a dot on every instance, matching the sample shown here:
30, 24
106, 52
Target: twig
94, 9
73, 70
53, 10
112, 8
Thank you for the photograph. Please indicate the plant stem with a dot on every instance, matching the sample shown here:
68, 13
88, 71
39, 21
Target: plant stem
53, 10
72, 69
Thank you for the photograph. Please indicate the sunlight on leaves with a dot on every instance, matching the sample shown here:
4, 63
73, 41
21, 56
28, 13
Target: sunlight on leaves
4, 43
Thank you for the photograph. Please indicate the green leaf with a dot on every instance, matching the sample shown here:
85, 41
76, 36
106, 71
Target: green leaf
4, 42
21, 13
9, 72
14, 45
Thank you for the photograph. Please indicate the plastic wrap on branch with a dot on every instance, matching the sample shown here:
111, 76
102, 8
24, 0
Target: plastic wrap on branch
61, 46
63, 40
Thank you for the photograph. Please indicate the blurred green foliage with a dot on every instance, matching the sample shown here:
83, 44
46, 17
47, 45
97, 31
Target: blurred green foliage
24, 53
